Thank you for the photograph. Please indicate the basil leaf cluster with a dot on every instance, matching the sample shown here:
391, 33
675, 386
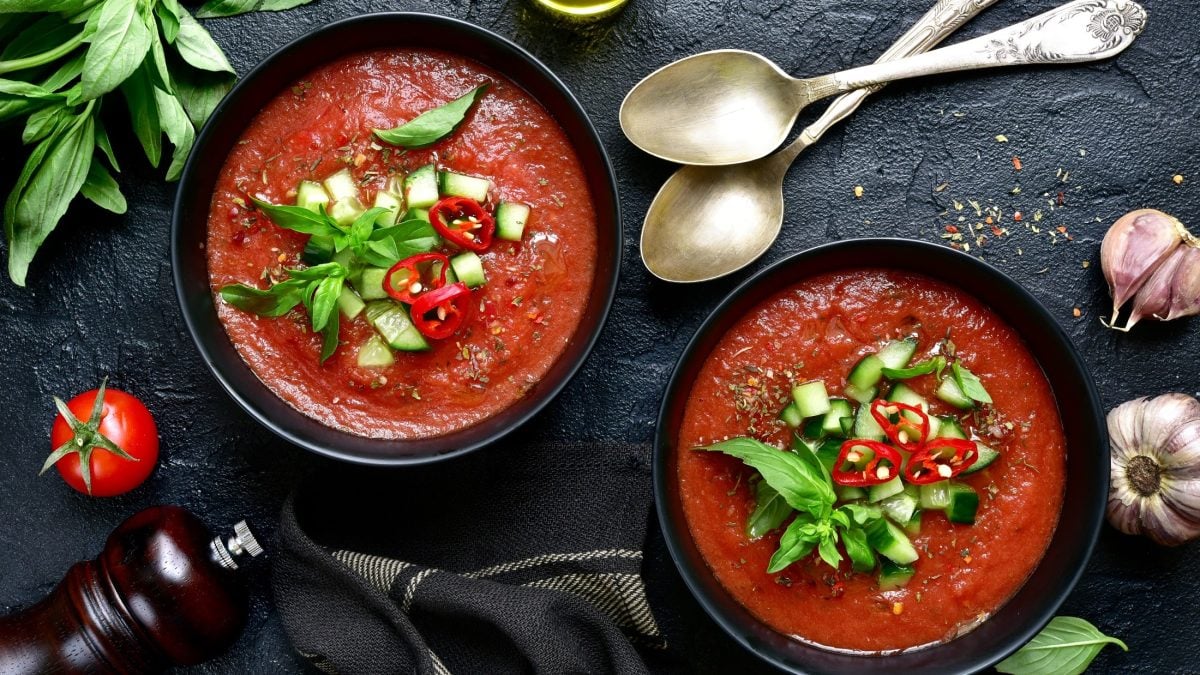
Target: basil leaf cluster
61, 62
797, 483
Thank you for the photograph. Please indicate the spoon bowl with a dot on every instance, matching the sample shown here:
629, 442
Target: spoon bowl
747, 105
734, 215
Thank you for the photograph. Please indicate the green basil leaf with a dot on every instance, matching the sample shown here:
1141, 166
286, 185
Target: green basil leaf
67, 72
121, 41
406, 239
102, 189
105, 145
381, 253
272, 302
324, 301
18, 98
143, 112
318, 272
51, 178
770, 510
43, 35
923, 368
840, 518
329, 333
178, 128
364, 225
1066, 646
858, 550
196, 46
862, 514
795, 544
803, 488
168, 12
215, 8
970, 384
30, 6
298, 219
160, 75
432, 126
200, 91
827, 549
42, 122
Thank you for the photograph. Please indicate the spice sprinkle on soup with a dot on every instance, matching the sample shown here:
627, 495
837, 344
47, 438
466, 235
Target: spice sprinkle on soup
872, 461
401, 244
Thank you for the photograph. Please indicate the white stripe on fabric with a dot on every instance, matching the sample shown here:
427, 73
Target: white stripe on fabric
439, 668
553, 558
377, 570
621, 596
411, 589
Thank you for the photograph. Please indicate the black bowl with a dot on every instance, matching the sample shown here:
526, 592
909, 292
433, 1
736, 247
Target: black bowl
1035, 603
280, 70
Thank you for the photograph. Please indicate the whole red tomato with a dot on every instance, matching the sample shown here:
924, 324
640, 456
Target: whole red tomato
105, 442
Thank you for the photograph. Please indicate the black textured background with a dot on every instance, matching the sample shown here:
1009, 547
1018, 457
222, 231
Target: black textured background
100, 300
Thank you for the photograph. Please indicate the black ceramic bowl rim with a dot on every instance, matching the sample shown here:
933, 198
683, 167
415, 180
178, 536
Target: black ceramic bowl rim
1027, 612
197, 305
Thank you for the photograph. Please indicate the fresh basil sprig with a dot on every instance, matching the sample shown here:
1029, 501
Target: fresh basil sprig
432, 126
317, 288
61, 60
382, 248
969, 383
1066, 646
804, 485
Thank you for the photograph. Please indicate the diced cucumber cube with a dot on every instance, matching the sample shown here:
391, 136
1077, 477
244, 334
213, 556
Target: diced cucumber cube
811, 398
849, 493
510, 220
935, 496
866, 373
839, 409
791, 415
345, 211
370, 284
318, 250
897, 353
468, 267
913, 526
891, 542
964, 502
393, 323
863, 396
893, 576
421, 189
847, 426
310, 195
986, 457
865, 425
393, 204
900, 507
375, 353
949, 392
417, 214
341, 185
460, 185
950, 427
882, 491
350, 304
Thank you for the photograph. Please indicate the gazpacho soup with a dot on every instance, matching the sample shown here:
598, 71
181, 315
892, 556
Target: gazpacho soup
401, 243
871, 460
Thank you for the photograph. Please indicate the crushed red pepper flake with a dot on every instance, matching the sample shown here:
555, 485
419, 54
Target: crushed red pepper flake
1016, 163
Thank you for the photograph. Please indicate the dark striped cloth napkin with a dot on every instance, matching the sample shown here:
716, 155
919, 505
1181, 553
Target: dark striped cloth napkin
514, 559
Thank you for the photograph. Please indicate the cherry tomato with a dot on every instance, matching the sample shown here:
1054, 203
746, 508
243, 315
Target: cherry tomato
118, 438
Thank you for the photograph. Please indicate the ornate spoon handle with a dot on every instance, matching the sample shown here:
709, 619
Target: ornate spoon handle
1079, 31
936, 25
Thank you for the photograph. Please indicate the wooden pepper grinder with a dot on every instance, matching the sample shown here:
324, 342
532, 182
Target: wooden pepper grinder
163, 592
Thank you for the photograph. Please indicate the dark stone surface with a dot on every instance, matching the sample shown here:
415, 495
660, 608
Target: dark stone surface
101, 301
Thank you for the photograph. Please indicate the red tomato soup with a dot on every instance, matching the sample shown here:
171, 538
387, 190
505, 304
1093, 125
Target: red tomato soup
517, 325
819, 329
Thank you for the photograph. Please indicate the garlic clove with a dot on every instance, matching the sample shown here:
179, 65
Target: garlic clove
1153, 299
1162, 416
1179, 451
1133, 248
1125, 431
1159, 522
1185, 283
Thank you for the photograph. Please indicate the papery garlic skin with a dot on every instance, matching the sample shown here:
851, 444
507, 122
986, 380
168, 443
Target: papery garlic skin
1185, 288
1134, 247
1155, 467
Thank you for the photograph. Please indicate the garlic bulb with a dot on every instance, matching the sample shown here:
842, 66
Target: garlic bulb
1155, 466
1151, 258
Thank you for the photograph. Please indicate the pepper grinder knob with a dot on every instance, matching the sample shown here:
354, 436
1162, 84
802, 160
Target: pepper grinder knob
241, 543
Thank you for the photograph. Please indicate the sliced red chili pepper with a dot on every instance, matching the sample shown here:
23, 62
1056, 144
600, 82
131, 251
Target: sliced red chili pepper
463, 222
940, 459
906, 433
438, 313
874, 472
406, 281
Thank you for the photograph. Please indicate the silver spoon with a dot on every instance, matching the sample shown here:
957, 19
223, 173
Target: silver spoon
732, 106
708, 221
